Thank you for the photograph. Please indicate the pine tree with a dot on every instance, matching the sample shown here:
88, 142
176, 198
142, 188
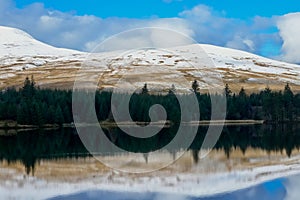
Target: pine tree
23, 113
243, 104
195, 86
58, 116
145, 89
26, 90
67, 114
50, 115
32, 86
21, 116
227, 91
242, 93
288, 98
288, 92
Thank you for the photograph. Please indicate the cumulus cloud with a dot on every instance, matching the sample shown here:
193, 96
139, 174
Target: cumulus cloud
147, 37
71, 31
241, 43
206, 25
149, 33
53, 27
289, 31
214, 27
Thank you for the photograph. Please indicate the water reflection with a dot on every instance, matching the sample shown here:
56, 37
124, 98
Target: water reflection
31, 147
276, 190
279, 189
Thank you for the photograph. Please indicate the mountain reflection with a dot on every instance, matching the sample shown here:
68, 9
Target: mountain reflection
30, 147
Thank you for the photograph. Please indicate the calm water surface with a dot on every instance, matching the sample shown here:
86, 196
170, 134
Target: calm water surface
245, 143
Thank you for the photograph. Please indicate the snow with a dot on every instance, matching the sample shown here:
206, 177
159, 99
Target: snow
6, 75
189, 61
14, 42
39, 62
231, 58
19, 51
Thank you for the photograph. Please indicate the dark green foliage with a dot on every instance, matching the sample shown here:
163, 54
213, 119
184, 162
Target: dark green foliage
58, 116
272, 106
31, 105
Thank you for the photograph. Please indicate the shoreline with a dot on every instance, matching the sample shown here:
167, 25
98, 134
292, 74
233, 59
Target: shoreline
13, 125
9, 125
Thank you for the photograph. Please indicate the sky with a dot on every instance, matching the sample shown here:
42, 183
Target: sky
268, 28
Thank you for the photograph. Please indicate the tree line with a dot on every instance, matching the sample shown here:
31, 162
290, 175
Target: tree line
31, 105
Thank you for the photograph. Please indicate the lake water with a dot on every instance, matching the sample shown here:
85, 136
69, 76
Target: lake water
246, 163
278, 189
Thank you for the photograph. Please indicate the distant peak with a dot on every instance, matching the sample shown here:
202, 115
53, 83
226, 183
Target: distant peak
16, 42
4, 30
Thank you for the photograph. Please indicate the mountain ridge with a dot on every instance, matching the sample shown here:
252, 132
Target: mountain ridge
21, 55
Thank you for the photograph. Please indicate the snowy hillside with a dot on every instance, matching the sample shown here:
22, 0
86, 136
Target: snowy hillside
15, 43
21, 56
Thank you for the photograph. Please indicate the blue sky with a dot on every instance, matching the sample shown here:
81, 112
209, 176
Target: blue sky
168, 8
268, 28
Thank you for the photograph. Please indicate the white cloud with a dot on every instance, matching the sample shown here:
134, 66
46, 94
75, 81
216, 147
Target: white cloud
289, 31
214, 27
176, 24
77, 32
203, 23
49, 22
139, 37
241, 43
203, 13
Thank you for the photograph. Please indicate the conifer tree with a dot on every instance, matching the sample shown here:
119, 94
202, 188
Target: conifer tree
145, 89
58, 116
227, 91
195, 86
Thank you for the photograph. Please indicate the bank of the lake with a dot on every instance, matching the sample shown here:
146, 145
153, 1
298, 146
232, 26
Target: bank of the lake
9, 124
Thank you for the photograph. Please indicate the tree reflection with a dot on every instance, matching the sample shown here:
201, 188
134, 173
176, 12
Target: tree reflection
31, 147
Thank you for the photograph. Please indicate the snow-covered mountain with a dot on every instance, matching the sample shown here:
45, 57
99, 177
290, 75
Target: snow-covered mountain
17, 43
21, 56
